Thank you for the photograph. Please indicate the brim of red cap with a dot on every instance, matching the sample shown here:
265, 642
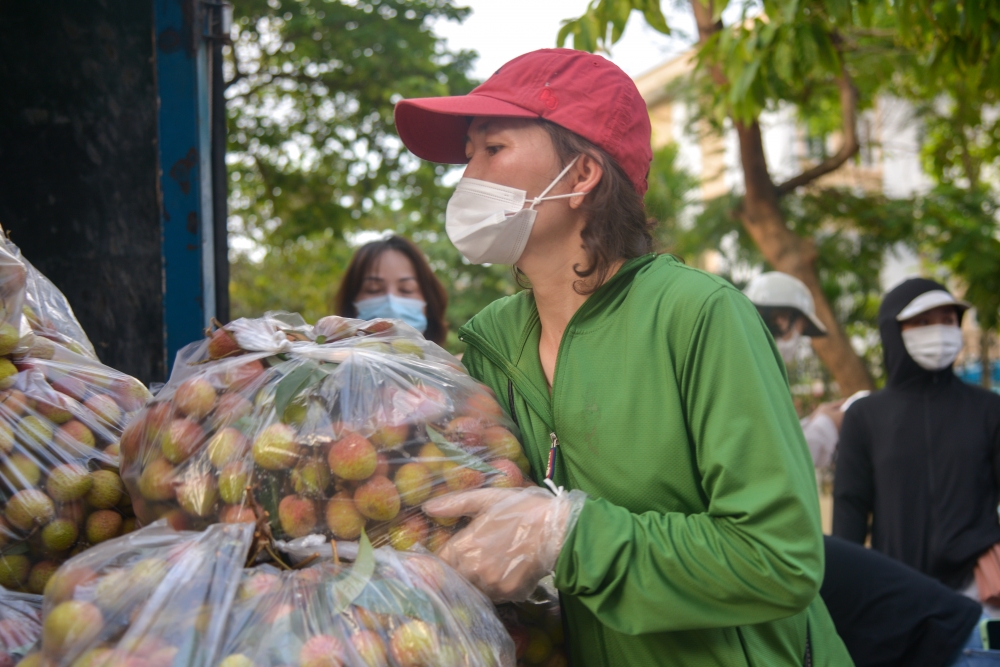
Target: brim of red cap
434, 128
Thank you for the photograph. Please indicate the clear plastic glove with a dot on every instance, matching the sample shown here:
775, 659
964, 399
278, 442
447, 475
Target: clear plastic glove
513, 540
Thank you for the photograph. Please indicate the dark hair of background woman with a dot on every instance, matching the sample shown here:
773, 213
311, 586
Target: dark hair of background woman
433, 291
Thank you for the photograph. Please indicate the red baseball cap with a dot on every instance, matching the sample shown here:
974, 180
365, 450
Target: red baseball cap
582, 92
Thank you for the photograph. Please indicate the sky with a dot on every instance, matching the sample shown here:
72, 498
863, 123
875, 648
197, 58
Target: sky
499, 30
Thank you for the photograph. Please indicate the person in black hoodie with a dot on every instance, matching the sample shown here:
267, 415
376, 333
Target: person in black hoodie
922, 456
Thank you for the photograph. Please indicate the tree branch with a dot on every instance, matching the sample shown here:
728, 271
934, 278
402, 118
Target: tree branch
849, 145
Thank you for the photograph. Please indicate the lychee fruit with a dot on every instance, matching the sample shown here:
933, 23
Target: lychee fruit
408, 533
377, 499
156, 482
29, 508
485, 405
75, 437
382, 466
275, 448
60, 535
465, 431
223, 344
310, 478
70, 627
106, 489
129, 393
460, 478
195, 398
67, 482
501, 443
14, 571
414, 482
403, 346
343, 518
40, 575
321, 651
20, 472
35, 431
237, 514
105, 409
16, 402
352, 457
102, 525
436, 538
71, 386
230, 408
370, 648
390, 436
297, 516
197, 494
509, 476
54, 410
182, 439
233, 480
63, 584
414, 644
8, 373
227, 445
243, 375
237, 660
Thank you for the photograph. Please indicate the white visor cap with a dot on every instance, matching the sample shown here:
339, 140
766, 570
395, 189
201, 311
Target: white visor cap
775, 289
929, 301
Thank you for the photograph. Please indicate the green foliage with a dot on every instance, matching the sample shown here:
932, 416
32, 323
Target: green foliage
672, 190
312, 145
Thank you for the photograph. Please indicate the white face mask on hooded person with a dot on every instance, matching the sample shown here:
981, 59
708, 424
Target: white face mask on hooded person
488, 223
933, 347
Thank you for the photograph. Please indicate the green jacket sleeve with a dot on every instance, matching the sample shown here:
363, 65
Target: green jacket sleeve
755, 553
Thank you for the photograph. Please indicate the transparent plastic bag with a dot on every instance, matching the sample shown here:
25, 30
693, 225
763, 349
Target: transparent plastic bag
331, 429
160, 597
154, 598
20, 625
387, 608
536, 628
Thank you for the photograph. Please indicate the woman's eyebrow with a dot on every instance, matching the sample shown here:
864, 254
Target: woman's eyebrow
375, 278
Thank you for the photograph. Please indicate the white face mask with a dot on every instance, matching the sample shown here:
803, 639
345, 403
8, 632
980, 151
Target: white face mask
788, 347
488, 223
934, 347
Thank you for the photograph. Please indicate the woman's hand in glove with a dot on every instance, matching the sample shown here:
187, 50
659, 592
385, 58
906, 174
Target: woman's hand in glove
513, 540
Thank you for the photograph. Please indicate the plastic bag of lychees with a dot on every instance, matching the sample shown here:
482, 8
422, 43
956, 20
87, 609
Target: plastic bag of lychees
156, 597
331, 429
20, 625
536, 627
385, 608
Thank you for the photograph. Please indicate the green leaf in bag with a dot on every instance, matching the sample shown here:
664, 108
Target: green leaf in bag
391, 597
345, 591
457, 454
289, 386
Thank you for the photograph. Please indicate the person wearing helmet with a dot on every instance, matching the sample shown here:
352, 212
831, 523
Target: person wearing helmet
787, 308
919, 461
682, 527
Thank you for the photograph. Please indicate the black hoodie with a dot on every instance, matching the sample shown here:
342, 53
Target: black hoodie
922, 457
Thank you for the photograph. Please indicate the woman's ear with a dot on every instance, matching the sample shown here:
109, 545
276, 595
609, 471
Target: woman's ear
586, 174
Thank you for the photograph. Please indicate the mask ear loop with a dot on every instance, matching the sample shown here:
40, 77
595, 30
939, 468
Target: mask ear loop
540, 198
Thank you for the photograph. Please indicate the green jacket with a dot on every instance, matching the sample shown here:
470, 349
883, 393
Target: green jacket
700, 542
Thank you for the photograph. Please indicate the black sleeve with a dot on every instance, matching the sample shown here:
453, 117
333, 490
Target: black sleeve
852, 480
890, 615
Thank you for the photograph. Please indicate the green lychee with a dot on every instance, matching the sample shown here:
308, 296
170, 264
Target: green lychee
377, 499
9, 338
181, 440
8, 373
15, 402
227, 445
195, 398
414, 644
60, 535
390, 436
297, 516
510, 476
236, 660
105, 409
34, 431
55, 410
103, 525
276, 447
68, 482
343, 518
501, 443
75, 437
460, 478
156, 482
129, 393
40, 575
14, 572
352, 457
70, 627
29, 508
197, 494
408, 533
403, 346
20, 472
310, 478
106, 489
414, 482
6, 438
233, 480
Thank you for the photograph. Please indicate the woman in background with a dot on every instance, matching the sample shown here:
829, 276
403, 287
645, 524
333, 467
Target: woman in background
391, 278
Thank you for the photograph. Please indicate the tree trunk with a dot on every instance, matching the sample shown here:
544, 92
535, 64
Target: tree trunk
789, 253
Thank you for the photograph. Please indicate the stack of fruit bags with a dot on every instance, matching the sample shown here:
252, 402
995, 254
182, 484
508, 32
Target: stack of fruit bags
20, 625
61, 417
160, 597
331, 429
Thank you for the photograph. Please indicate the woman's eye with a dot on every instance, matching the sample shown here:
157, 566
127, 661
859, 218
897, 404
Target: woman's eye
493, 150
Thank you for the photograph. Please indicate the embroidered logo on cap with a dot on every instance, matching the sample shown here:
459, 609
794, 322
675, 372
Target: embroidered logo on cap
549, 99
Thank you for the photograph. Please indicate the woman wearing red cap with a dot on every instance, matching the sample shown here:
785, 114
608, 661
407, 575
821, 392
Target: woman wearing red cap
690, 530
